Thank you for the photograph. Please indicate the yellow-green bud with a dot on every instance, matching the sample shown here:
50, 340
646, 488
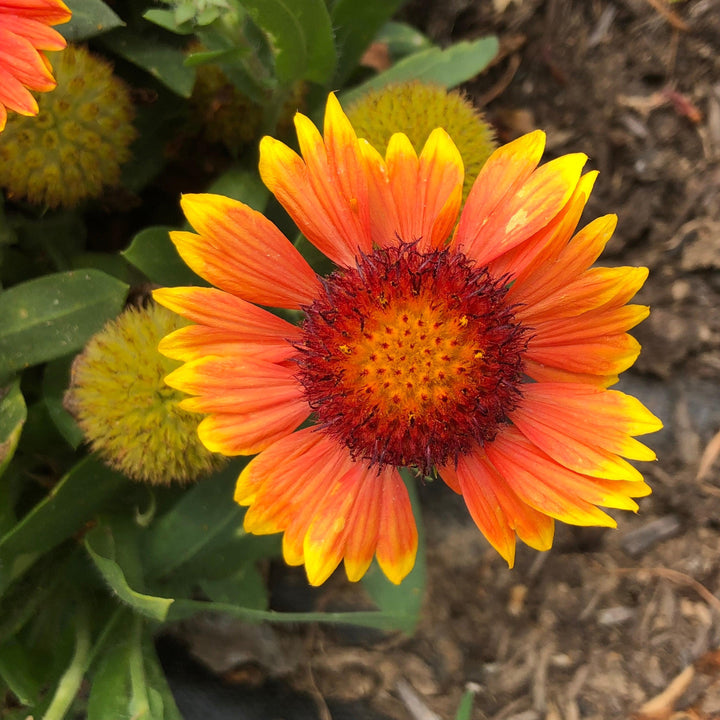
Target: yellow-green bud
73, 149
416, 109
130, 417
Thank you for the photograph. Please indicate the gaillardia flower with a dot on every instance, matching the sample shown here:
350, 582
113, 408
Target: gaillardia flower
478, 347
25, 31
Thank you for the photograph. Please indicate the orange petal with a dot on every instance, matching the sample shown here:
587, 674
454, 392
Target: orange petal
534, 528
273, 480
596, 288
542, 250
223, 311
505, 171
244, 434
588, 415
535, 483
346, 525
529, 209
478, 491
547, 277
427, 190
589, 326
383, 209
15, 96
254, 403
553, 489
545, 373
240, 251
195, 342
51, 12
227, 384
397, 534
325, 192
40, 36
605, 356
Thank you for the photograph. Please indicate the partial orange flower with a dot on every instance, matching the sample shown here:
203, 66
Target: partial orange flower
480, 348
24, 32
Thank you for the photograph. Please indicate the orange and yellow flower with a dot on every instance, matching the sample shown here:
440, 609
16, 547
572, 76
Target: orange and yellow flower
478, 347
25, 31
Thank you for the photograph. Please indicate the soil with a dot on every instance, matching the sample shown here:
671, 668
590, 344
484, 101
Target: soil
610, 623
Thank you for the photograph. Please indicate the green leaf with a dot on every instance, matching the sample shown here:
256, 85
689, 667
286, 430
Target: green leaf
313, 17
89, 19
19, 671
285, 34
66, 508
402, 39
448, 68
101, 548
464, 711
245, 587
403, 601
164, 62
152, 252
129, 682
113, 265
201, 514
56, 381
166, 19
52, 316
356, 23
242, 184
13, 413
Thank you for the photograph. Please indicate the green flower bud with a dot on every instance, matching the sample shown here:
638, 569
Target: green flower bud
416, 109
130, 417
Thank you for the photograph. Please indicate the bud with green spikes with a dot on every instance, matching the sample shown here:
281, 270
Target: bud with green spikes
130, 417
416, 109
74, 148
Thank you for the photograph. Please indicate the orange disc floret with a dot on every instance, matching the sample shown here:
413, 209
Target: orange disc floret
25, 31
409, 358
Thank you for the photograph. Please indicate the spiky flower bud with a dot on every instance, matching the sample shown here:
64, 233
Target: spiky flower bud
416, 109
75, 146
130, 417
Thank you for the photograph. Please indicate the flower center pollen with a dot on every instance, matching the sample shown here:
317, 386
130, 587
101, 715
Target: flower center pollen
411, 357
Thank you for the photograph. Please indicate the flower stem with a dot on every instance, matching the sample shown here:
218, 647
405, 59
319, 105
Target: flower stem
70, 682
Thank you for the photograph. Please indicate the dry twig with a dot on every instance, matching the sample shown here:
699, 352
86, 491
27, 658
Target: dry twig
673, 18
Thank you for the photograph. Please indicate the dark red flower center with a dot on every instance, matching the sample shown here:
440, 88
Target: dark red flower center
411, 358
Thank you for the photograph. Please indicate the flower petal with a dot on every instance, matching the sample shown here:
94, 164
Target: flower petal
481, 479
240, 251
596, 288
254, 403
552, 488
217, 309
505, 171
427, 190
397, 534
273, 483
325, 192
529, 210
551, 274
541, 251
584, 415
198, 341
477, 489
